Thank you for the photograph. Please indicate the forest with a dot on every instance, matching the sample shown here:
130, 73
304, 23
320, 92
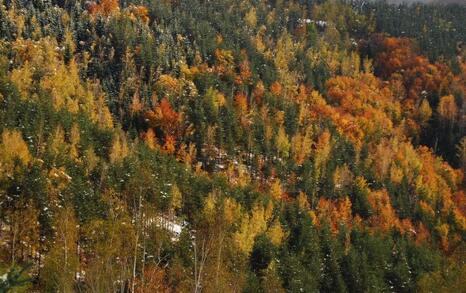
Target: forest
232, 146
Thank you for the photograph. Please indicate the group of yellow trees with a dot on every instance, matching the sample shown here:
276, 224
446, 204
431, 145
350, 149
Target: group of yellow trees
265, 174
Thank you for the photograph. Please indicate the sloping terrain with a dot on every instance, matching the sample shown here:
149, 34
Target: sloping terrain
232, 146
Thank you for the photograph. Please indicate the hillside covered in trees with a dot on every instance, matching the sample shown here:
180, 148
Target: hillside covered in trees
232, 146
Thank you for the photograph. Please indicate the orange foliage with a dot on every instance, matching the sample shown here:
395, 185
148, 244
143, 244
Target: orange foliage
170, 143
241, 102
426, 208
276, 88
437, 180
396, 54
460, 202
362, 107
443, 230
303, 92
336, 212
323, 143
154, 281
384, 216
422, 234
245, 73
258, 92
165, 117
459, 211
398, 57
140, 12
383, 156
104, 7
136, 105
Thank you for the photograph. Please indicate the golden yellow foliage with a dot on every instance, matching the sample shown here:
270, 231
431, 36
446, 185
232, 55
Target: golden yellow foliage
231, 211
22, 79
282, 142
13, 148
42, 68
57, 144
303, 203
425, 112
447, 108
276, 190
91, 160
102, 114
275, 233
301, 146
251, 18
251, 226
151, 139
75, 138
224, 62
323, 148
176, 198
168, 85
119, 149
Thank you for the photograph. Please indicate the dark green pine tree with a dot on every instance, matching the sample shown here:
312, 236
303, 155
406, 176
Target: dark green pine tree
332, 279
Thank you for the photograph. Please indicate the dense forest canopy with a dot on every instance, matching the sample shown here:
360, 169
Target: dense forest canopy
232, 146
444, 2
